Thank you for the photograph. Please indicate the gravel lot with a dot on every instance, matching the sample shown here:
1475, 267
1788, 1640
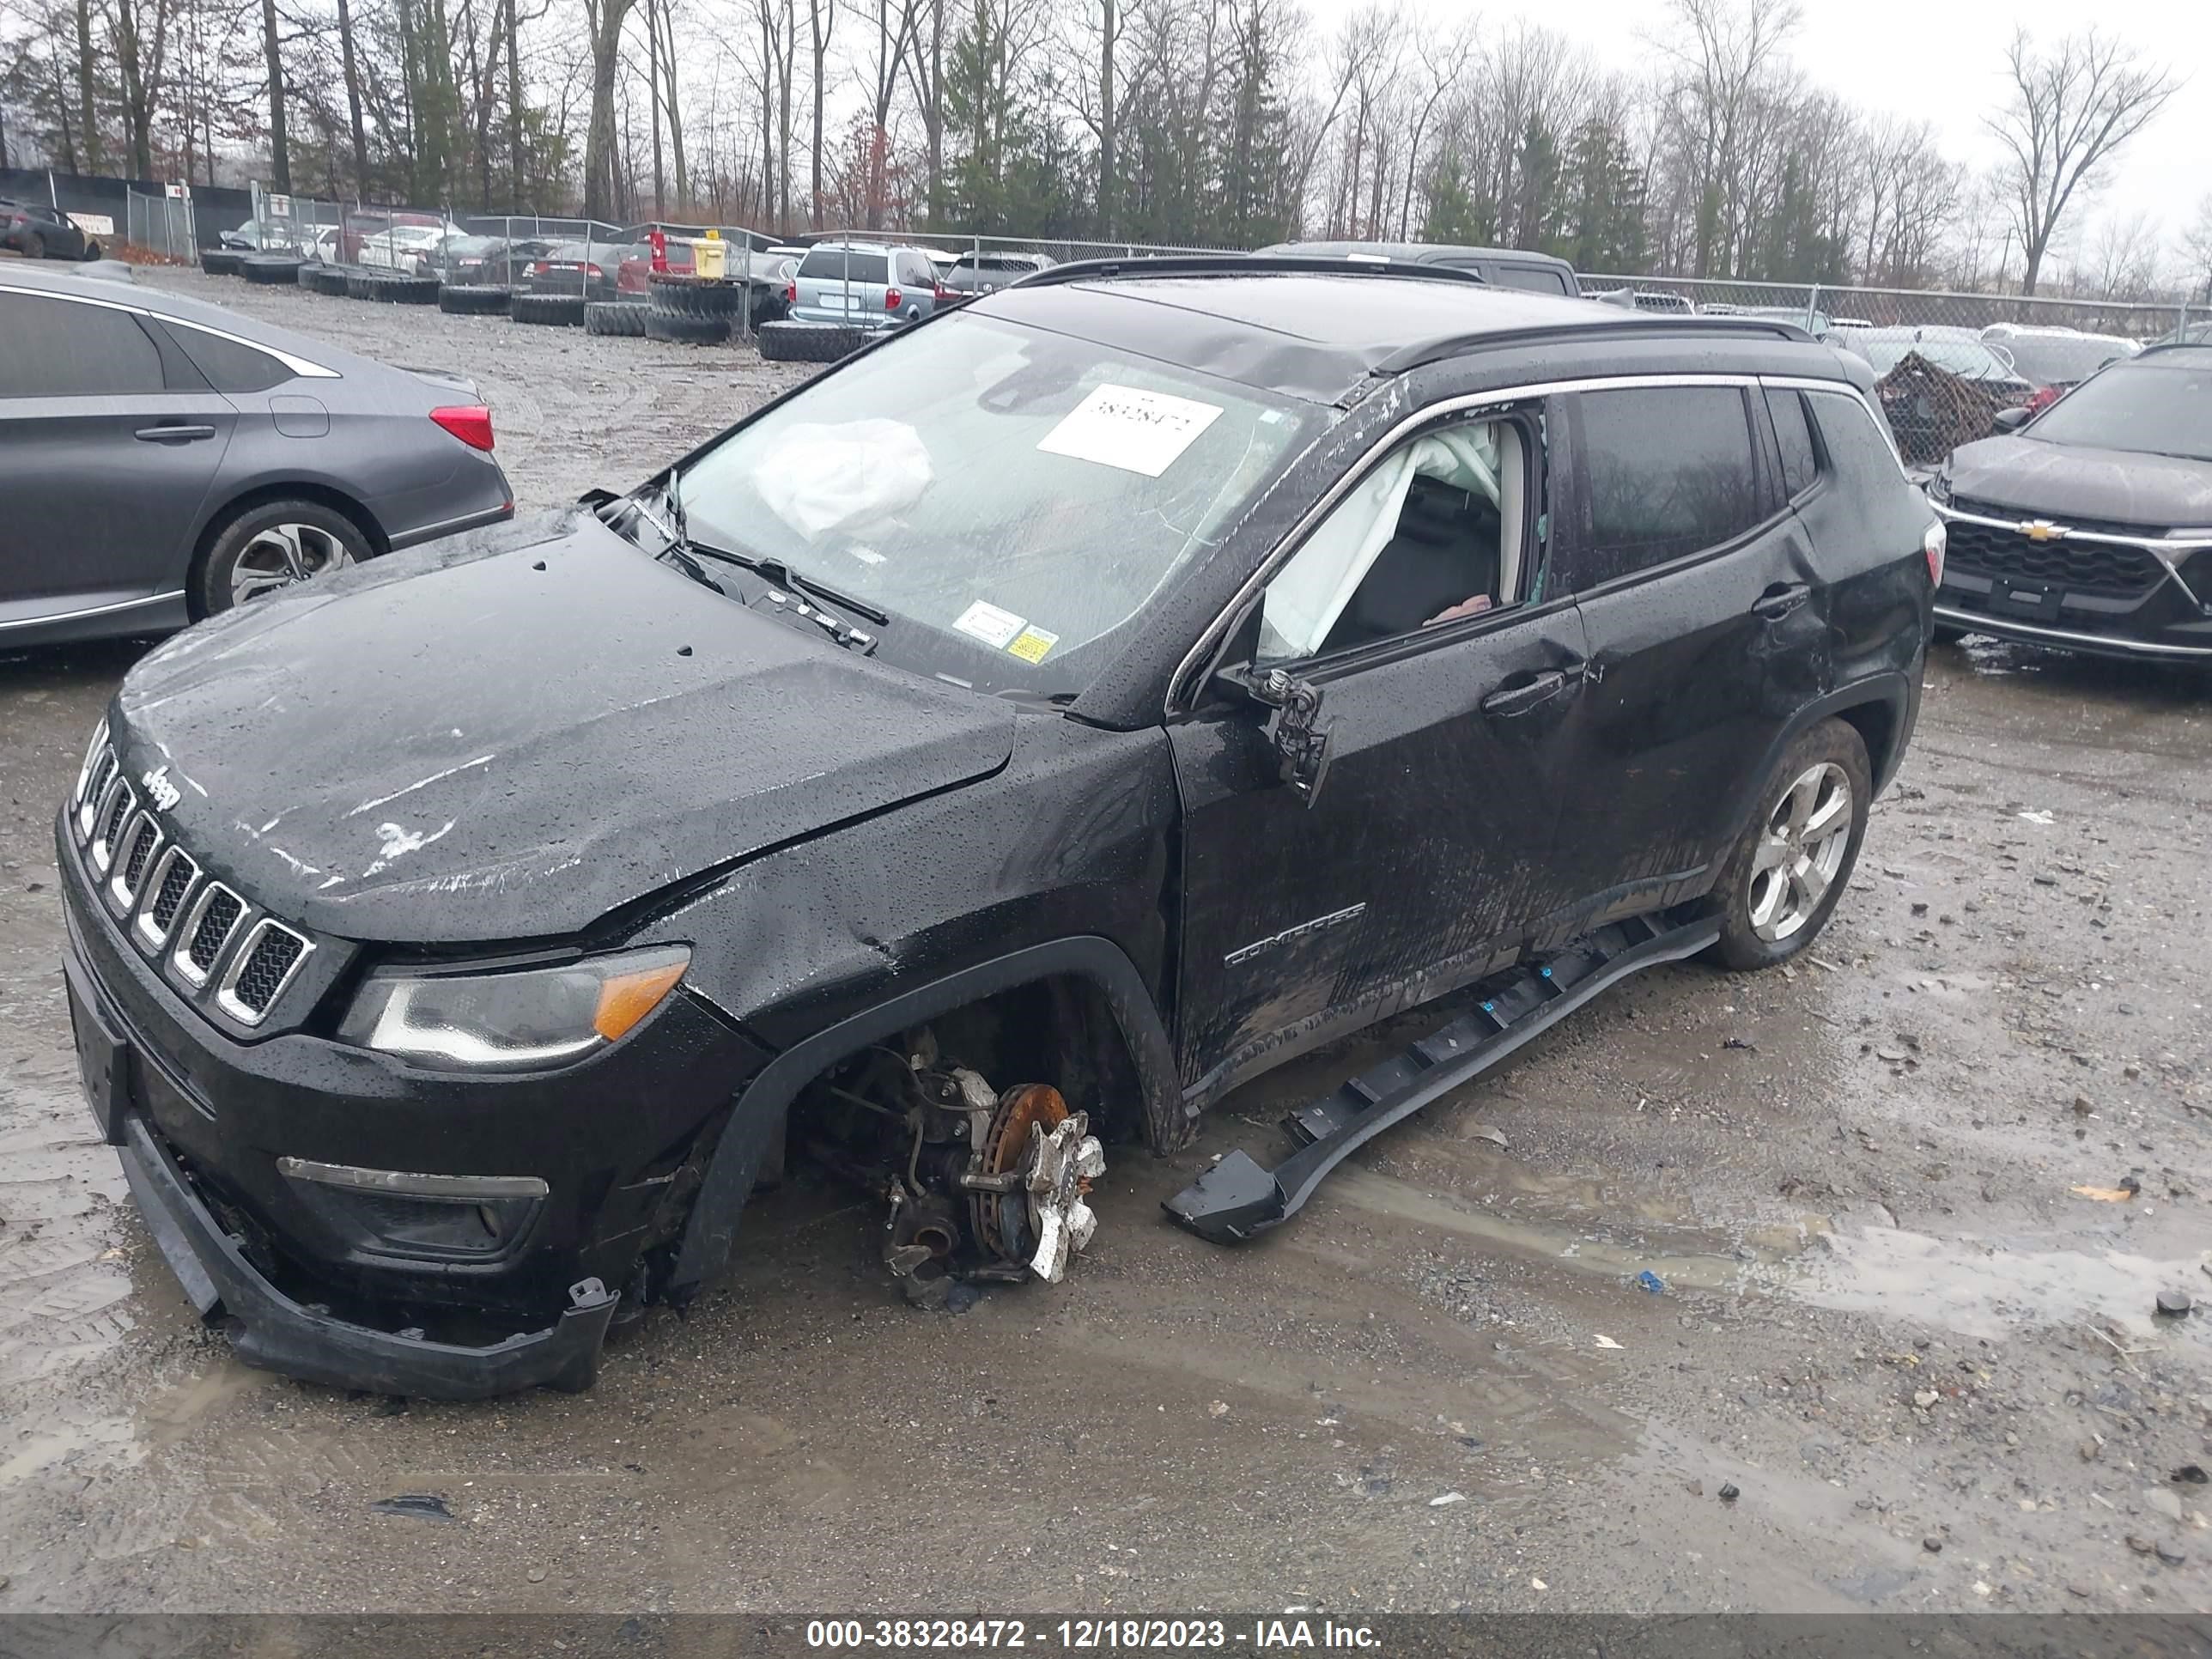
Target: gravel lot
1928, 1364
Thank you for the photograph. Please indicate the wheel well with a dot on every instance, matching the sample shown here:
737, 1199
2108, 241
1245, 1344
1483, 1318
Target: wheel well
1059, 1030
337, 499
1876, 724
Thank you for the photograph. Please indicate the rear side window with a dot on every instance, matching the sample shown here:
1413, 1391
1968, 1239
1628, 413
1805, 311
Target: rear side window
229, 365
916, 271
1793, 437
837, 265
56, 348
1666, 471
1858, 449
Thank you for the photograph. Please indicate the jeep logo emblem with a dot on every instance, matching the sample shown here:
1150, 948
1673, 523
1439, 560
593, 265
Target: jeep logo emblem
165, 794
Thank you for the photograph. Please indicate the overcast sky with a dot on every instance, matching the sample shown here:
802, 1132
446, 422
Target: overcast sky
1942, 59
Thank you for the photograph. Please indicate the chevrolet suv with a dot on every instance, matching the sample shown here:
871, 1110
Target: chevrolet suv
1209, 658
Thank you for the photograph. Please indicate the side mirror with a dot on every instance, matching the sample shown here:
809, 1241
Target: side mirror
1300, 741
2011, 420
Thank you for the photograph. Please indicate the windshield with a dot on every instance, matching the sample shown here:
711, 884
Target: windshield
2061, 359
2149, 408
1010, 497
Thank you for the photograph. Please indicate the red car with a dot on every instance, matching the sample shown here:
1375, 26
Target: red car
634, 275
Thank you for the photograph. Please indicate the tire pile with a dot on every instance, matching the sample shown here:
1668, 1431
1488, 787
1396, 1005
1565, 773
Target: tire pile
683, 307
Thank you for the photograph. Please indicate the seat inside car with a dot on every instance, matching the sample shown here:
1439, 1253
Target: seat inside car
1444, 550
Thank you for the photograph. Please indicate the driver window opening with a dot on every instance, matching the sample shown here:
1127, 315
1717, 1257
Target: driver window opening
1432, 535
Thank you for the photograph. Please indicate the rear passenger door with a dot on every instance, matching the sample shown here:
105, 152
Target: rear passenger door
109, 441
1707, 628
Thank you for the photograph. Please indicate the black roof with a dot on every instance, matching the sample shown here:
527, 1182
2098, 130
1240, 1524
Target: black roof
1314, 330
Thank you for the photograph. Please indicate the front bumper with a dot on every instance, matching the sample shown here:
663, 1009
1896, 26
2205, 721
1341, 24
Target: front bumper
2110, 594
318, 1283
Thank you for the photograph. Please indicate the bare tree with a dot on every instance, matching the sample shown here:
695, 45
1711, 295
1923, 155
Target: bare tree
821, 19
2068, 112
2197, 250
1725, 52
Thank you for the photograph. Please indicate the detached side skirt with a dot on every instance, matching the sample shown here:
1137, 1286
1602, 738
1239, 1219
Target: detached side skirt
1236, 1198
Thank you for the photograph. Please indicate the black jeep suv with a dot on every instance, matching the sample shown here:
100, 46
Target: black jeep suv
1208, 658
2089, 526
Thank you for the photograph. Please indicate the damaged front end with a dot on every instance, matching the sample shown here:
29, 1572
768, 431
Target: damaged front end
981, 1185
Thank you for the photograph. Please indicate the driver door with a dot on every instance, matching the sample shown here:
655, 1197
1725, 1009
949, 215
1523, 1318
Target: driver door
1428, 847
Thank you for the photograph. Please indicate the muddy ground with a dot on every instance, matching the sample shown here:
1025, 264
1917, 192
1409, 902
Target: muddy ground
1926, 1362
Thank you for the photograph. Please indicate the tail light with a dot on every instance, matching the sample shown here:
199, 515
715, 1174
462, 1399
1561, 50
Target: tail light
791, 294
593, 270
2041, 398
942, 295
893, 298
1934, 541
469, 423
538, 268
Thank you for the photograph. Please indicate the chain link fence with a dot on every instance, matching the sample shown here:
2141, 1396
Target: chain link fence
1946, 364
160, 224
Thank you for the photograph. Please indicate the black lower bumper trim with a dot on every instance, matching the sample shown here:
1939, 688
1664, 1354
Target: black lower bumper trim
1236, 1198
2071, 639
271, 1330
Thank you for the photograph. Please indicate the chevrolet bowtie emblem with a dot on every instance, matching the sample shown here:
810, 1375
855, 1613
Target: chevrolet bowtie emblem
2042, 530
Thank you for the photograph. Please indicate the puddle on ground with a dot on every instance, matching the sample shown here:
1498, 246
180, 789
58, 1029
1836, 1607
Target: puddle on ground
1979, 1288
1985, 1288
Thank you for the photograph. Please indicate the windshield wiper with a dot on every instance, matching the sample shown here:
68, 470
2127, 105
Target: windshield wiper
683, 548
775, 571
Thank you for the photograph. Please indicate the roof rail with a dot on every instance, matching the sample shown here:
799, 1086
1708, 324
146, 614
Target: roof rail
1243, 265
1633, 325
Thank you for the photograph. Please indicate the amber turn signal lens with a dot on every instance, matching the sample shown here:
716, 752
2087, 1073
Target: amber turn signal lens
628, 998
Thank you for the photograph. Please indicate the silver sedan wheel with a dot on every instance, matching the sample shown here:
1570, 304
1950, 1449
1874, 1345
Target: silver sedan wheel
282, 554
1799, 852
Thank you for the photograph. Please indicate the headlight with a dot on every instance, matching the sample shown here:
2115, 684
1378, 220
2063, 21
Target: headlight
515, 1021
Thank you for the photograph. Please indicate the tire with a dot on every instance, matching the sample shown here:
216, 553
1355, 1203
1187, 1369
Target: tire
268, 269
677, 295
557, 310
91, 251
326, 280
305, 275
691, 331
219, 261
808, 343
1944, 634
393, 289
622, 317
360, 285
1768, 914
34, 247
461, 299
254, 542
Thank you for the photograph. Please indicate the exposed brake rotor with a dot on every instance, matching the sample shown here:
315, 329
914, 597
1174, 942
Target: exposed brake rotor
1052, 1152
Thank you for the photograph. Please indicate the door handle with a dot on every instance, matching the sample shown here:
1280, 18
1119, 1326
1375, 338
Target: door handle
1779, 602
172, 434
1532, 693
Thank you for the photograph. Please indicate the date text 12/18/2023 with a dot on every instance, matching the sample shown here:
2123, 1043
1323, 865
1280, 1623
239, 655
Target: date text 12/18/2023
1288, 1633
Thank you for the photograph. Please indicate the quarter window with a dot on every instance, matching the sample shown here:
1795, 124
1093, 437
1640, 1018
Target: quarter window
1794, 439
56, 348
1667, 472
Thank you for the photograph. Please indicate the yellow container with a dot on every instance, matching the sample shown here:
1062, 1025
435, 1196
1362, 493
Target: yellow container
710, 257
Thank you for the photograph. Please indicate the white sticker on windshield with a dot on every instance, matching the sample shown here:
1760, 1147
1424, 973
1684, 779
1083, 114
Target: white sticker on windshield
987, 622
1137, 431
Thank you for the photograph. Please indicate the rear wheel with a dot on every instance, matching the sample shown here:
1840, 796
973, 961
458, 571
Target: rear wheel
808, 343
91, 251
34, 247
271, 546
692, 331
1945, 634
1790, 867
464, 300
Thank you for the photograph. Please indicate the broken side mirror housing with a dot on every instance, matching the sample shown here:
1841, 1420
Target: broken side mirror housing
1301, 742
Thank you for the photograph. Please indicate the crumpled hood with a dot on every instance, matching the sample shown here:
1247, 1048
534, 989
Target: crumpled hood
2062, 482
530, 728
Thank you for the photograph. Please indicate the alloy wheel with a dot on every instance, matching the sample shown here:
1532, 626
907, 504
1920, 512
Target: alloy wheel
1799, 850
282, 554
